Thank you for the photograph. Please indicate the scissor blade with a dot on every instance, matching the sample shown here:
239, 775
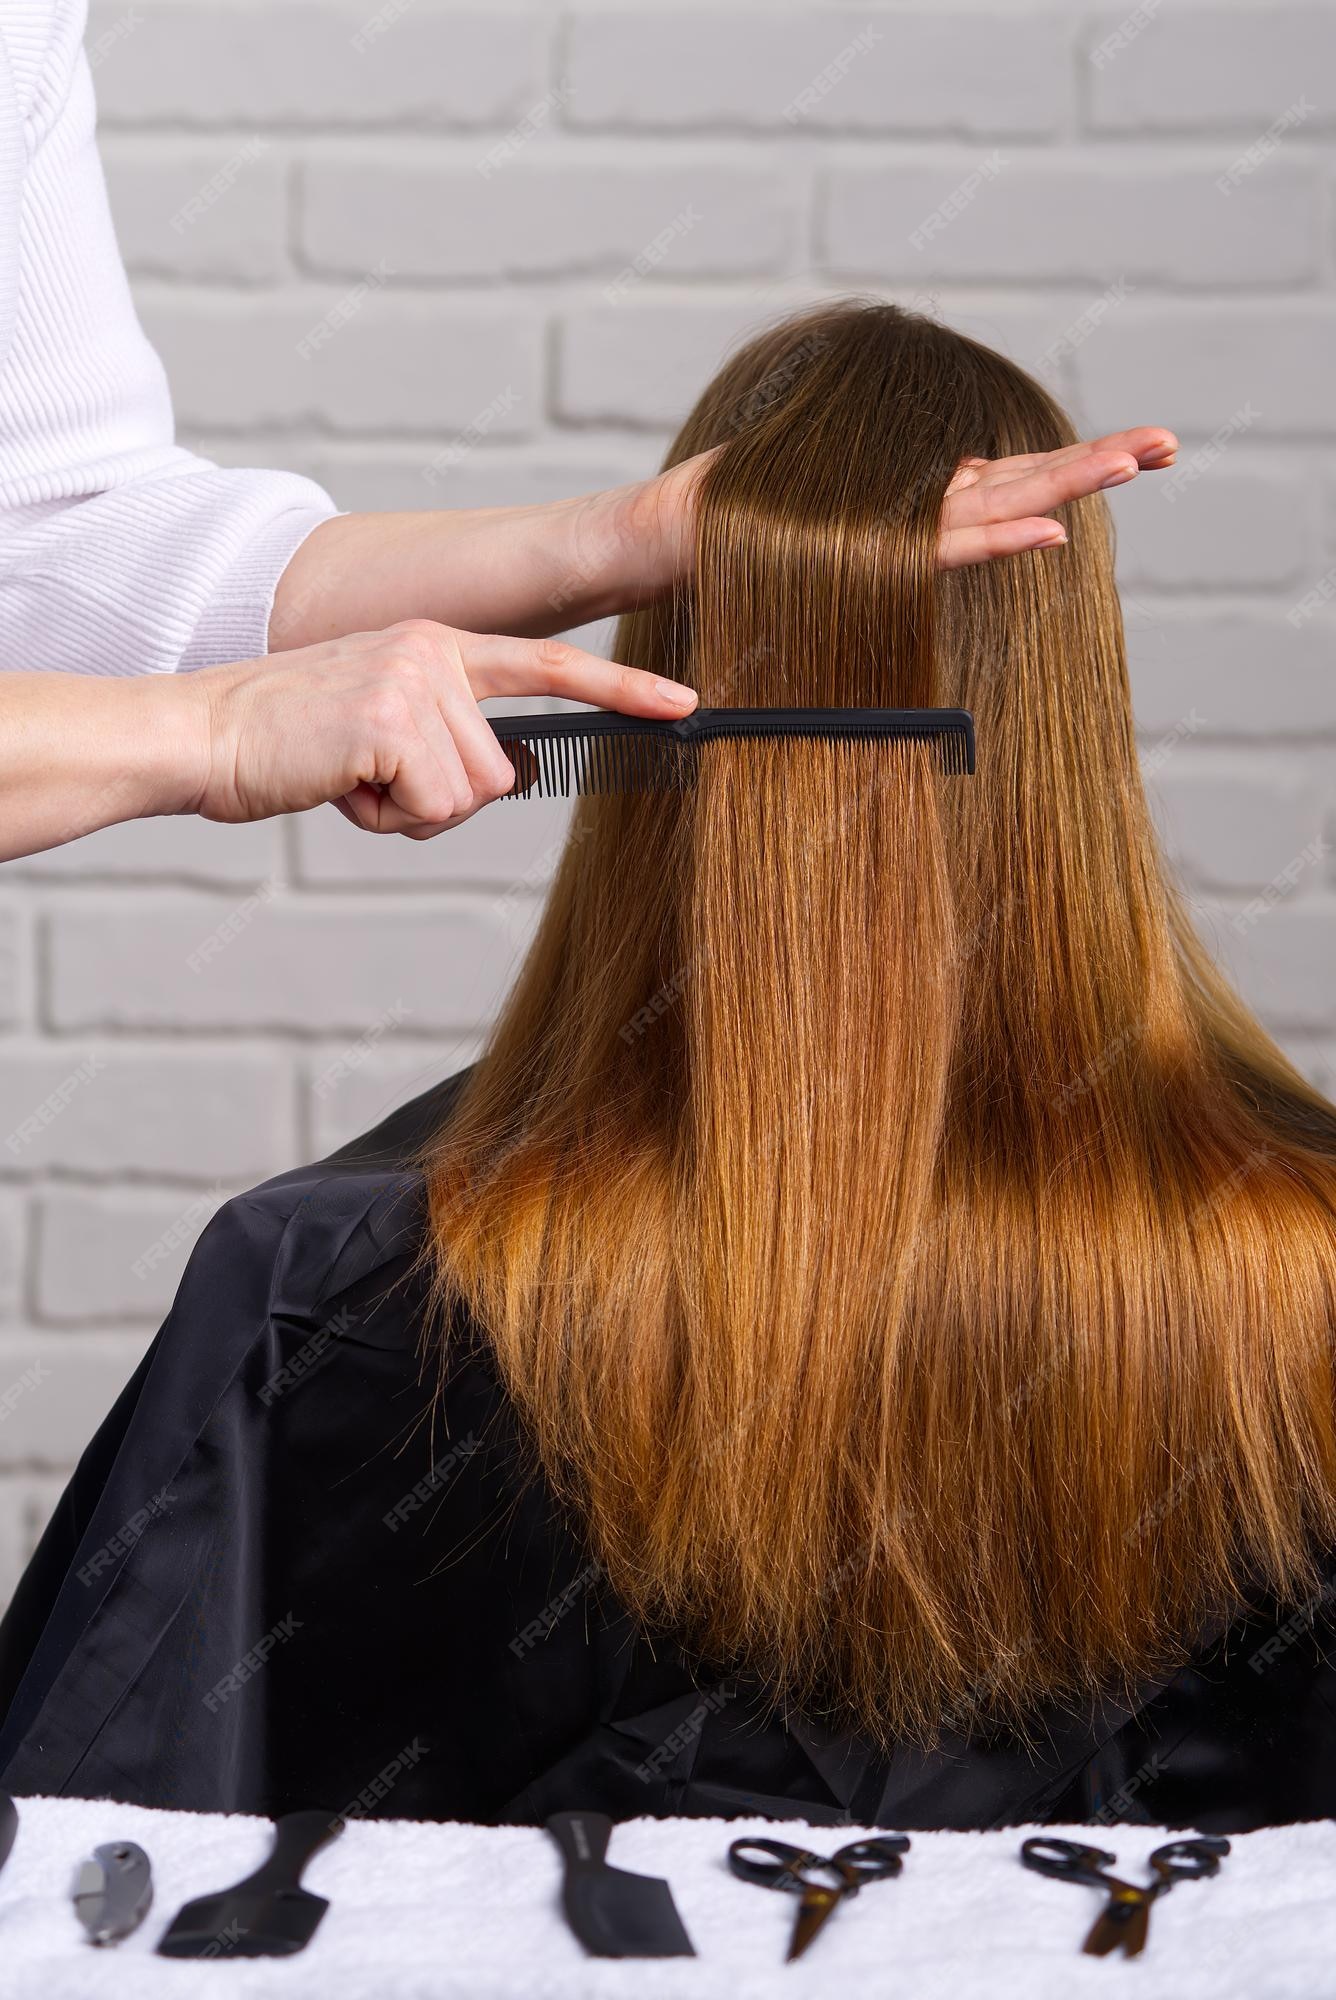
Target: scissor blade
815, 1907
1121, 1927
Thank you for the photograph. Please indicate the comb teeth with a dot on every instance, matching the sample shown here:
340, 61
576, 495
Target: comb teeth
580, 755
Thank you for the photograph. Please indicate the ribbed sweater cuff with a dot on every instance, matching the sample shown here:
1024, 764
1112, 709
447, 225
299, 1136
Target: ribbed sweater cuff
235, 623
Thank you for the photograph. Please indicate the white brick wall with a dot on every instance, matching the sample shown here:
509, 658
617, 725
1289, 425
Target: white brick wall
487, 173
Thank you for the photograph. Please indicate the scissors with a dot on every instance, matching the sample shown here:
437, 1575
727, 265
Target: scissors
1123, 1923
823, 1881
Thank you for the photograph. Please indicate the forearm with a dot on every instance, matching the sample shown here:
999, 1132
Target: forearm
77, 754
529, 571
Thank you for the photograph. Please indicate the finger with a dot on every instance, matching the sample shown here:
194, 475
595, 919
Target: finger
422, 781
499, 666
490, 773
367, 810
1149, 445
1038, 491
431, 785
961, 546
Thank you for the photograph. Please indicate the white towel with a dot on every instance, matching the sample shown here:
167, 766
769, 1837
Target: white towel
435, 1912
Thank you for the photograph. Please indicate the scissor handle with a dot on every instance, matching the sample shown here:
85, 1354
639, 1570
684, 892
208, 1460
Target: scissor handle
875, 1859
1067, 1860
783, 1867
1189, 1860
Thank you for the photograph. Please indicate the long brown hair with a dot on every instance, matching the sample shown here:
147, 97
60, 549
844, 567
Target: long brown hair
906, 1254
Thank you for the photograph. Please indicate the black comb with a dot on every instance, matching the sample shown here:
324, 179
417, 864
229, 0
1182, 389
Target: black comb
614, 1914
268, 1915
583, 753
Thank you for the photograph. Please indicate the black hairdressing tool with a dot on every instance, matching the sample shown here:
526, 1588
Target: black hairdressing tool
112, 1891
1124, 1921
614, 1914
268, 1915
562, 755
9, 1825
822, 1880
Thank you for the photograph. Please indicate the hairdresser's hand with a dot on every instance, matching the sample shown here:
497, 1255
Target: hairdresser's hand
996, 506
386, 724
542, 569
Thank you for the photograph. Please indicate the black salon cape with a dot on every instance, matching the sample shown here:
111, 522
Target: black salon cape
274, 1582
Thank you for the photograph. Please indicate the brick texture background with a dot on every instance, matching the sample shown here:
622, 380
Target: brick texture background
535, 232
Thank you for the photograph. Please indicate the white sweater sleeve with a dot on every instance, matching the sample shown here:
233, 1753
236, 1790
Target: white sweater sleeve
120, 553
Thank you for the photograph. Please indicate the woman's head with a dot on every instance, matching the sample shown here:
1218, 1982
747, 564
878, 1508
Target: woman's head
907, 1255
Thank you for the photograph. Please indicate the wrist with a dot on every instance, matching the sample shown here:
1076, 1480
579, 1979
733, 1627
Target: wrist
173, 731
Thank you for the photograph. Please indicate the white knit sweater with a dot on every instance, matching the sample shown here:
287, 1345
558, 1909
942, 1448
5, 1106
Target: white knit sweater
120, 553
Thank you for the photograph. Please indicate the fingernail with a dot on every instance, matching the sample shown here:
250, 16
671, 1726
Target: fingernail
1121, 476
1050, 538
679, 696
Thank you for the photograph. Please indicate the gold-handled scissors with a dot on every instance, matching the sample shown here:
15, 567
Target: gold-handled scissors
1123, 1924
822, 1880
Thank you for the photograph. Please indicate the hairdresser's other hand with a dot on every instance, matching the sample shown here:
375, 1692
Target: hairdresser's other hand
997, 506
994, 507
386, 724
